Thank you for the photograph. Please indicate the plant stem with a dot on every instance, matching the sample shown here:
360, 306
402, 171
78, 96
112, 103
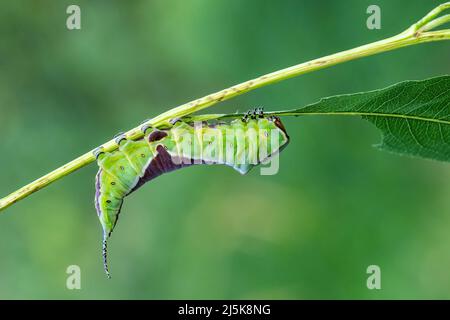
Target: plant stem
299, 112
417, 33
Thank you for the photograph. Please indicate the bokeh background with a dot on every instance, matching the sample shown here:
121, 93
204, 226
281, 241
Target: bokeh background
336, 206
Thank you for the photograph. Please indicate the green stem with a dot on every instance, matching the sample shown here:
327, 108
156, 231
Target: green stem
299, 112
417, 33
430, 17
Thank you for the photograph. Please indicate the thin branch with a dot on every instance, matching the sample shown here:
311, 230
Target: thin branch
430, 17
415, 34
299, 112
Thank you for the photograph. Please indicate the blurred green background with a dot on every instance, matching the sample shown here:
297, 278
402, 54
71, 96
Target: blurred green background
336, 206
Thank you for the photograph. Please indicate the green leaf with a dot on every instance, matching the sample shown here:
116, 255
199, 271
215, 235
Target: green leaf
414, 116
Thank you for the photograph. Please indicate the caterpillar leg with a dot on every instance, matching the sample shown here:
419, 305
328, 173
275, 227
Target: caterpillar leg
145, 126
254, 113
246, 116
257, 112
119, 137
260, 112
97, 152
175, 120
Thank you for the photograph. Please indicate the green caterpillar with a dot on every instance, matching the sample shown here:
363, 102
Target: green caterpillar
241, 144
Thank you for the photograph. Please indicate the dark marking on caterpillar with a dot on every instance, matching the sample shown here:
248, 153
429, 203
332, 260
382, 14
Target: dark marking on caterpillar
156, 135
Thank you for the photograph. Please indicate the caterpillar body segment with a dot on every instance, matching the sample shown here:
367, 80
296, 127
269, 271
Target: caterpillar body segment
241, 144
